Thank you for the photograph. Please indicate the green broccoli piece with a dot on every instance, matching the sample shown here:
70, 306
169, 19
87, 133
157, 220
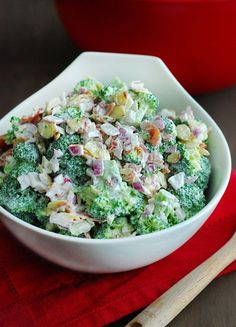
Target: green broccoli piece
189, 162
166, 204
191, 198
150, 224
203, 175
28, 152
115, 87
73, 167
147, 105
133, 157
10, 135
120, 227
19, 202
89, 84
170, 127
27, 217
163, 215
69, 113
152, 148
64, 232
62, 144
109, 195
20, 168
102, 202
2, 176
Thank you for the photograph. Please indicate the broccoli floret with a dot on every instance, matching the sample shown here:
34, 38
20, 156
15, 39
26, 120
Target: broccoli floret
120, 227
28, 152
89, 84
74, 167
133, 157
62, 144
151, 148
170, 127
163, 215
2, 176
65, 232
27, 217
165, 206
102, 202
191, 198
109, 195
109, 92
147, 104
22, 203
203, 175
152, 103
150, 224
10, 135
69, 113
21, 168
189, 162
165, 145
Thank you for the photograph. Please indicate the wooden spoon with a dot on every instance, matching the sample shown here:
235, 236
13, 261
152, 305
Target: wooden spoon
160, 312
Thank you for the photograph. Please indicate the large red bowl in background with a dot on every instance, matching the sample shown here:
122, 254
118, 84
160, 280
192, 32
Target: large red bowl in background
195, 38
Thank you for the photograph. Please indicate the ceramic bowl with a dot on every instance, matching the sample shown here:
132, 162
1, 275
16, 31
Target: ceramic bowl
105, 256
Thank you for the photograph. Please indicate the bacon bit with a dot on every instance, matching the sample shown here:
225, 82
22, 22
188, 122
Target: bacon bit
139, 150
34, 119
153, 132
109, 108
103, 134
165, 170
3, 144
203, 145
113, 145
19, 140
4, 156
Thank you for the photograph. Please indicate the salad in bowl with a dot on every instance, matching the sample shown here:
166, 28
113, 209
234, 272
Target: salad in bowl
105, 162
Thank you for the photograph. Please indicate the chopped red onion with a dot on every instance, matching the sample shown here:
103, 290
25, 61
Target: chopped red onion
151, 167
76, 149
196, 132
159, 122
138, 186
171, 149
67, 180
149, 208
98, 167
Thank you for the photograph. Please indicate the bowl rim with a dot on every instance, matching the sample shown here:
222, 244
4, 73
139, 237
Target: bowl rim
210, 205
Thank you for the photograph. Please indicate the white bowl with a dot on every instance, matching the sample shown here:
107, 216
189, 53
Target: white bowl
99, 256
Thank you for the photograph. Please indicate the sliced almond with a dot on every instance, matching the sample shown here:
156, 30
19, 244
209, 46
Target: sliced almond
118, 112
204, 152
173, 157
183, 132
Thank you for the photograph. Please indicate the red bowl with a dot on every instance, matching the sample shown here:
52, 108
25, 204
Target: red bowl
195, 38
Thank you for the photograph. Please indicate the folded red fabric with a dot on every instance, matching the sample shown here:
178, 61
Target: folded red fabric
35, 292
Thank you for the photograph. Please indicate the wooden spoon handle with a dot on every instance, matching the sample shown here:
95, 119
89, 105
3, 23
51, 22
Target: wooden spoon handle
172, 302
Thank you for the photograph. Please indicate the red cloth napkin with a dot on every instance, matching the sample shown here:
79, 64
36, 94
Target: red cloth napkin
34, 292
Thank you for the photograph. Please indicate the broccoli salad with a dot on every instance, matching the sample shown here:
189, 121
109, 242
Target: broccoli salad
104, 162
